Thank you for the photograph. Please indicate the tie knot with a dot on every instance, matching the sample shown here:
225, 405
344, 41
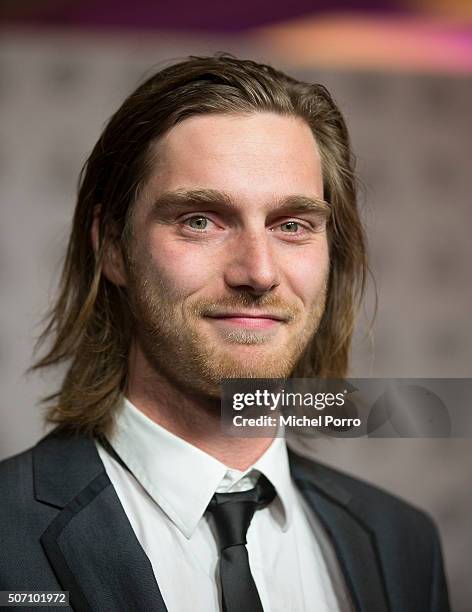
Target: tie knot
233, 512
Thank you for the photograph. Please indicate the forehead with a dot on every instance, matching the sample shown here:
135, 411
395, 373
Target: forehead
251, 157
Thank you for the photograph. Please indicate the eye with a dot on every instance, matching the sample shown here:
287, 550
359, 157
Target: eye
197, 222
291, 227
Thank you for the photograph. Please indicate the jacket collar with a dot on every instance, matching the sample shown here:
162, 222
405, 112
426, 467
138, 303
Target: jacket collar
63, 466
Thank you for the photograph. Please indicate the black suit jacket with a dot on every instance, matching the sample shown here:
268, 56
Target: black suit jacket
62, 527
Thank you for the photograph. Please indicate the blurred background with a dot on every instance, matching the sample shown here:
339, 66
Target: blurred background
401, 73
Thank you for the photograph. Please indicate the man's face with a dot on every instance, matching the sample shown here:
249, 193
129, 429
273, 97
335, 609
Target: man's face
228, 260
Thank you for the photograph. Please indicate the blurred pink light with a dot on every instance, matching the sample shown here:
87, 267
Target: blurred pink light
393, 43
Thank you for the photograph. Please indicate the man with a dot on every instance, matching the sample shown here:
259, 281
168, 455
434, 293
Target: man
216, 235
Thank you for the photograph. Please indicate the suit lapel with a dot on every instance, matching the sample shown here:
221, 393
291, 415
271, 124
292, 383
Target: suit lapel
90, 544
354, 543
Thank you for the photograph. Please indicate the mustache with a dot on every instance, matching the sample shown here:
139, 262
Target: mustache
248, 302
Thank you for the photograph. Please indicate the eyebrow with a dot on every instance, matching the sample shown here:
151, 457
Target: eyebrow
182, 199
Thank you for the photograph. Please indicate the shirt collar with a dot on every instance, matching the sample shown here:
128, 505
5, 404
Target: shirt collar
165, 466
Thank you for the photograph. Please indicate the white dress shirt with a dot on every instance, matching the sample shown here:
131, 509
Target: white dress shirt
165, 497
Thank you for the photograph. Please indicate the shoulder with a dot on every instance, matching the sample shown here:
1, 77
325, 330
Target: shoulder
22, 518
378, 509
50, 472
16, 475
38, 482
402, 537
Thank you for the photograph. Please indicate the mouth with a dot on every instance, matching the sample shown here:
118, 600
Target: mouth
248, 320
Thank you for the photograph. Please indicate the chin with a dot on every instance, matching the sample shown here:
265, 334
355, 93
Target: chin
248, 368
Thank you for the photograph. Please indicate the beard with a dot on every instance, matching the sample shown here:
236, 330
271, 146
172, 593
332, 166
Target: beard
170, 330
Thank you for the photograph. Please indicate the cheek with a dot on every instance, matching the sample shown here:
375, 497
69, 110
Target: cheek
182, 268
308, 273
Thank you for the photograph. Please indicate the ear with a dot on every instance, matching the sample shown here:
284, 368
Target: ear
113, 267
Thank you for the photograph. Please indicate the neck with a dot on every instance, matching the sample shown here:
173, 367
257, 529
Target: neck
194, 418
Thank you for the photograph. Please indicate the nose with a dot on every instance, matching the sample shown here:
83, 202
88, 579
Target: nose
252, 265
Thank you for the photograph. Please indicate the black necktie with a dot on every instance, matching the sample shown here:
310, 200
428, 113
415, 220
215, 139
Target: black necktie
232, 513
